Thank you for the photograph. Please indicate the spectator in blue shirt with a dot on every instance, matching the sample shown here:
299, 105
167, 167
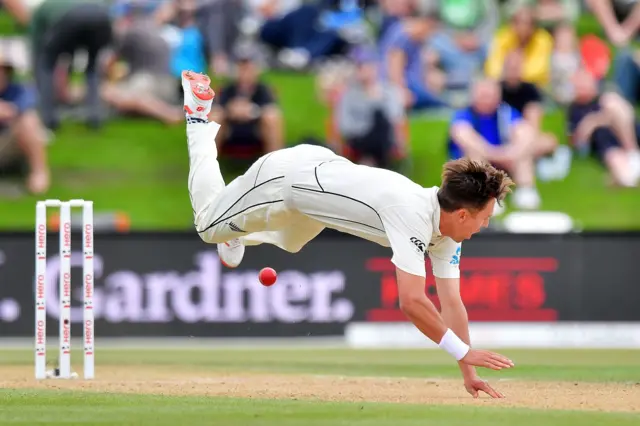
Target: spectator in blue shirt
22, 135
402, 62
490, 130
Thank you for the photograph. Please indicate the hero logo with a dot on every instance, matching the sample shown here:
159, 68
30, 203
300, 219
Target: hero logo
88, 237
205, 294
66, 286
40, 332
66, 332
88, 286
40, 286
42, 233
88, 334
67, 235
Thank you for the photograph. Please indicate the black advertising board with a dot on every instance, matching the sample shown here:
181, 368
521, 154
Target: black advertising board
174, 285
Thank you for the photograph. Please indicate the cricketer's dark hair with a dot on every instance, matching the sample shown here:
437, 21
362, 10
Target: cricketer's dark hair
471, 184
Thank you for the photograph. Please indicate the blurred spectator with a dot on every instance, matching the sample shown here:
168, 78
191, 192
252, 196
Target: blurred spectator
22, 135
550, 14
558, 17
620, 19
148, 88
605, 125
298, 36
493, 131
565, 61
217, 22
527, 100
463, 42
627, 74
188, 50
62, 27
392, 11
18, 9
247, 111
535, 43
370, 115
403, 62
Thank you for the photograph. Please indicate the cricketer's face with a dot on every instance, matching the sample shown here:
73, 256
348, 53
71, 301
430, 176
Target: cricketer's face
471, 222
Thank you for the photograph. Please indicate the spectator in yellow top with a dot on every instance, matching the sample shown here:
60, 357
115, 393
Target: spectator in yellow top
535, 44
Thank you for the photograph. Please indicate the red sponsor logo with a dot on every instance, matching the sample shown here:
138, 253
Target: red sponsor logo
40, 286
66, 285
40, 335
66, 332
493, 289
88, 237
67, 235
88, 333
42, 236
88, 286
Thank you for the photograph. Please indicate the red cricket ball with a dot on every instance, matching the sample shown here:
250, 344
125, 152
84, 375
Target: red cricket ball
267, 276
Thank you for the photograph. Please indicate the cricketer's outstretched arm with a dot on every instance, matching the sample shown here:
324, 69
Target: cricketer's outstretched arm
455, 317
424, 315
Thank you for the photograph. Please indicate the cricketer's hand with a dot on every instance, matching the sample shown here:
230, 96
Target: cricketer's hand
475, 384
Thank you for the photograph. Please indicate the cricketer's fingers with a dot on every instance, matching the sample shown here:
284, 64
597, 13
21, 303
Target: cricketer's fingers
486, 388
473, 391
501, 360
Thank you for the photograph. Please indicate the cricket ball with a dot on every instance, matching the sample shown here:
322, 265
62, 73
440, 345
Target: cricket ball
267, 276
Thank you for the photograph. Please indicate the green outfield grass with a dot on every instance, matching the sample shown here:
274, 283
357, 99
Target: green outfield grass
24, 402
28, 408
571, 365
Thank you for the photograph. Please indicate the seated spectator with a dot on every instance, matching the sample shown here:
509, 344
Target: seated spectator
22, 135
558, 17
298, 36
527, 100
463, 42
370, 115
605, 125
492, 131
64, 27
565, 61
148, 89
247, 111
535, 43
393, 11
627, 74
521, 95
217, 22
551, 14
188, 48
619, 19
18, 10
401, 62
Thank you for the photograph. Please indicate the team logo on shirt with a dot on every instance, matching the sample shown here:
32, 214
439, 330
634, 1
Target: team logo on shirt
455, 259
235, 227
419, 244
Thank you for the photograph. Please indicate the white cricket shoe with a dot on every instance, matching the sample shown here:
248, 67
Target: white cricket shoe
231, 253
198, 96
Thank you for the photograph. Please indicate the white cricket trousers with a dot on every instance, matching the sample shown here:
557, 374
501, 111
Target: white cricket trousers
254, 206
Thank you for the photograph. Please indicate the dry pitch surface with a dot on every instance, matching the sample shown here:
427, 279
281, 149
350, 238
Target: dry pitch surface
561, 395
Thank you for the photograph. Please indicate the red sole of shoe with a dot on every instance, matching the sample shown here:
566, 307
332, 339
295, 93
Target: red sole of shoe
199, 85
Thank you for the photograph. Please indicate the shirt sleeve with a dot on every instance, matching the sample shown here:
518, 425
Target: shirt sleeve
409, 235
497, 53
537, 63
514, 116
445, 259
225, 95
461, 116
25, 99
263, 96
